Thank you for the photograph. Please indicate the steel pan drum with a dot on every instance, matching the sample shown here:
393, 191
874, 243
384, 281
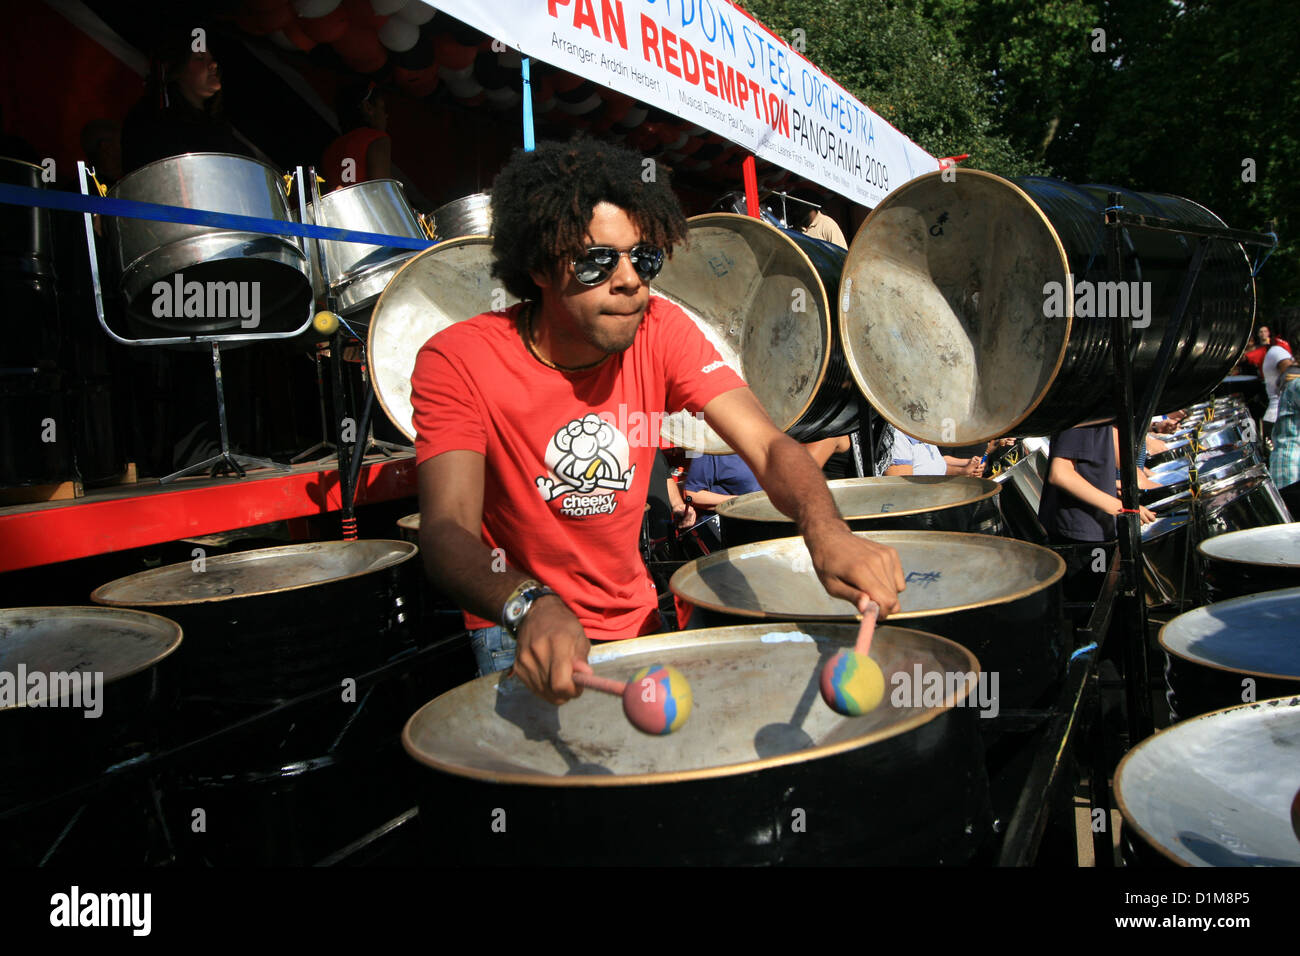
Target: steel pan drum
358, 273
468, 216
278, 622
910, 502
1217, 791
1247, 500
1175, 477
42, 747
150, 252
764, 297
443, 285
1252, 560
943, 318
1219, 652
1166, 559
996, 596
410, 527
901, 784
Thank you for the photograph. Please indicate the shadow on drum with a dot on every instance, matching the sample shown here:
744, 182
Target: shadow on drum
538, 720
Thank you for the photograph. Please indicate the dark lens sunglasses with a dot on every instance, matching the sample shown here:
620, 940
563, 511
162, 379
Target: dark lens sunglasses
599, 262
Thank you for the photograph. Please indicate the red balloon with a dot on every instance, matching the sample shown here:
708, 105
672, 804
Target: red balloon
328, 28
265, 6
362, 14
453, 55
361, 50
295, 35
262, 22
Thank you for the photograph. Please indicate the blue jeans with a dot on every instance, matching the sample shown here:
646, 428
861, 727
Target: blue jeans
494, 649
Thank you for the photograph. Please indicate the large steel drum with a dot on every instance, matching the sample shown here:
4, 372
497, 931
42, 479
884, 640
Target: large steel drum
765, 298
761, 772
908, 502
942, 306
148, 252
445, 284
278, 622
1252, 560
358, 272
999, 597
1218, 791
1239, 650
1167, 568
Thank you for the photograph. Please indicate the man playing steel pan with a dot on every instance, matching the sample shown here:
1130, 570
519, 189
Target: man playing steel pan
536, 426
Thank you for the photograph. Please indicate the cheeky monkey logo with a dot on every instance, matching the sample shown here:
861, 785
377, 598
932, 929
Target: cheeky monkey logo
589, 460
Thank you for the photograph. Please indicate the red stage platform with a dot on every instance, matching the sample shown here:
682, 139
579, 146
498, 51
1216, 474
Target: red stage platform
134, 516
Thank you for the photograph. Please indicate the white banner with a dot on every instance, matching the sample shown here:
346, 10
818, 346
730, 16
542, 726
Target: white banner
713, 65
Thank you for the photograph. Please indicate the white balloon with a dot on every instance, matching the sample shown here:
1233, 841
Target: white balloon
398, 35
416, 12
386, 8
310, 9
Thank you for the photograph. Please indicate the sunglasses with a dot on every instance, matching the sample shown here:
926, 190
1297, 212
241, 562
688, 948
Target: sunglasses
599, 262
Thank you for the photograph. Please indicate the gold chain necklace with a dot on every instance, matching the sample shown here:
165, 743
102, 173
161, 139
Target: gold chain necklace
528, 340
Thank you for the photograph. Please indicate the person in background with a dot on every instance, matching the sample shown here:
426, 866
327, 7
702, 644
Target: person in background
807, 217
913, 457
1284, 463
364, 151
1276, 361
181, 112
1079, 502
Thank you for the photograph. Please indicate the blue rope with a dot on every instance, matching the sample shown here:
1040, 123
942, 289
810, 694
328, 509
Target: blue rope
1084, 650
131, 209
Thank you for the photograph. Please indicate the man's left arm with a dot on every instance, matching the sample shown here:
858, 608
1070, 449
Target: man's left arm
847, 565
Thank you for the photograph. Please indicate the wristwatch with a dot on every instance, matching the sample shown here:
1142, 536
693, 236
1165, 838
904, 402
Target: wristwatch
520, 603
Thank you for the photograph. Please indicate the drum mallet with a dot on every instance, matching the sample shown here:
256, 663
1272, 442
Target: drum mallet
852, 682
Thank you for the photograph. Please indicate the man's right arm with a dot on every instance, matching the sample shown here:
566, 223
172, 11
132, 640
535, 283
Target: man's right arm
464, 568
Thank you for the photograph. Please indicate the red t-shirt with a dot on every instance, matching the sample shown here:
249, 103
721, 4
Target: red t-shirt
351, 145
568, 454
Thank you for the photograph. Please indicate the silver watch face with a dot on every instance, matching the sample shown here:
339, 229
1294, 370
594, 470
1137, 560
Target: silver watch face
515, 608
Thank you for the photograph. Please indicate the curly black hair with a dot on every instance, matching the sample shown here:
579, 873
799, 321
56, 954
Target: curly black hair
542, 203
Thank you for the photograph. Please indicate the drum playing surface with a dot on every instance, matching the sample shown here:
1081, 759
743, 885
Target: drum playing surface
1250, 635
264, 571
756, 705
875, 497
945, 571
1272, 546
1217, 791
113, 641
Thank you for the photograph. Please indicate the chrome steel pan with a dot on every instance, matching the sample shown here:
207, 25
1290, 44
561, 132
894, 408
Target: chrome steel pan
1217, 791
467, 216
359, 272
578, 784
148, 252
